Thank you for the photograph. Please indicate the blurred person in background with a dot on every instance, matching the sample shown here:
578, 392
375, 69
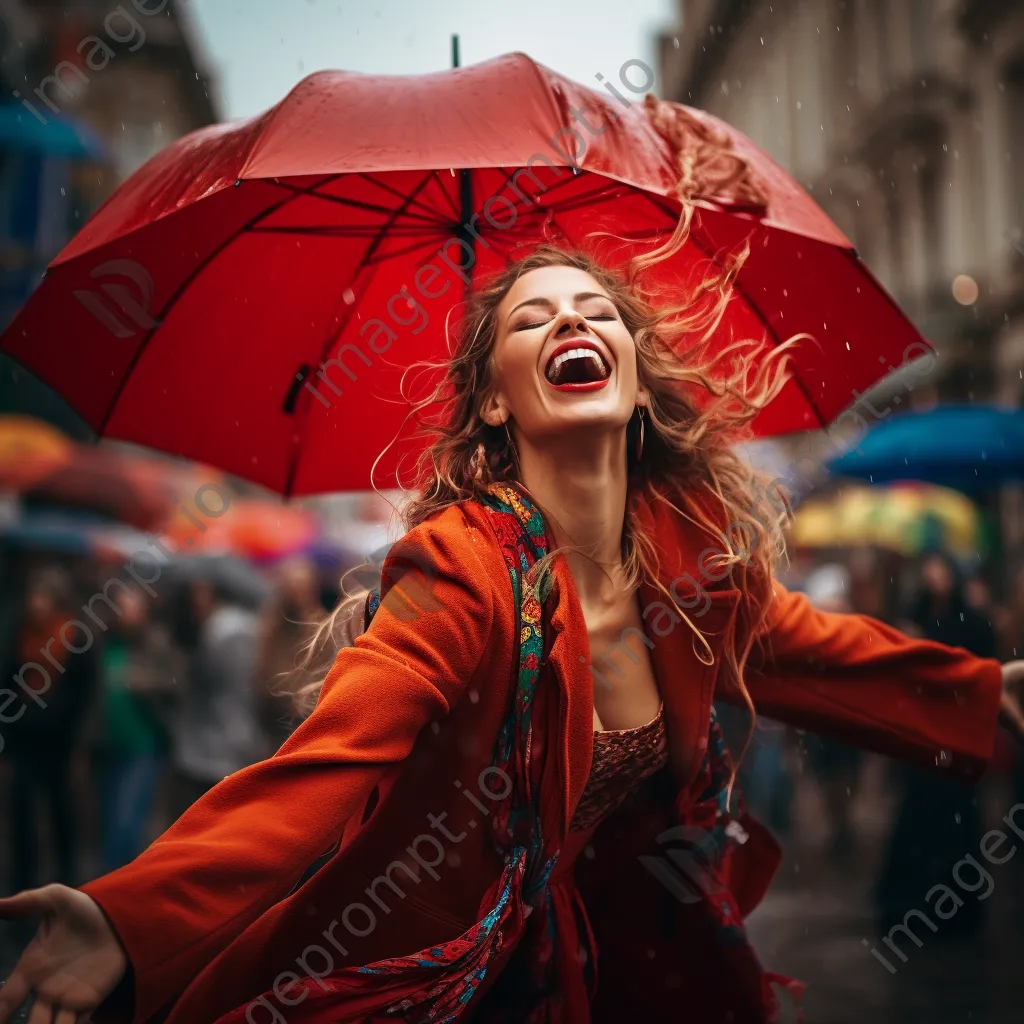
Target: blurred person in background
938, 819
978, 594
141, 673
215, 730
836, 765
44, 733
289, 623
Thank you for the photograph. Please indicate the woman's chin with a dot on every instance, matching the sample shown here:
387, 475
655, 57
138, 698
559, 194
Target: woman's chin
585, 418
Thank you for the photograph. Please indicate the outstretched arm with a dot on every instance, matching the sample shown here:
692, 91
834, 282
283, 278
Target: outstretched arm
857, 679
242, 846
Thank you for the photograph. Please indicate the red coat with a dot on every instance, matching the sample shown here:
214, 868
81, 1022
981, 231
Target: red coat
390, 763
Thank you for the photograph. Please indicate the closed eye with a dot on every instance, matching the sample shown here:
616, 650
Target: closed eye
541, 323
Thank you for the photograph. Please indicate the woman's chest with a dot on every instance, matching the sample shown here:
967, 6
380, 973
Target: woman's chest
626, 693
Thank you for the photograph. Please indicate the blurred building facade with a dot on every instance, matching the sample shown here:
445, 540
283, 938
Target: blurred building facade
905, 121
91, 89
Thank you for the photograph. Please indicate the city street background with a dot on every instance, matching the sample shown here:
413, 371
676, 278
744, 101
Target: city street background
904, 120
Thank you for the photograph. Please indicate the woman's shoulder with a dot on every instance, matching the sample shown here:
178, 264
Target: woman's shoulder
455, 543
462, 529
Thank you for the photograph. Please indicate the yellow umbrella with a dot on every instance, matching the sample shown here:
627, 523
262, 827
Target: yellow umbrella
903, 518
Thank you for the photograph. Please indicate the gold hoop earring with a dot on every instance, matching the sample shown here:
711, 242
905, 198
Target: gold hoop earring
640, 439
479, 466
512, 447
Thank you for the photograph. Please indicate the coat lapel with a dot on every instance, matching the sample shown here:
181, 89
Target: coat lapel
686, 666
686, 662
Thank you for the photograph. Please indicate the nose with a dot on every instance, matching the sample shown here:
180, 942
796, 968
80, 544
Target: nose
569, 321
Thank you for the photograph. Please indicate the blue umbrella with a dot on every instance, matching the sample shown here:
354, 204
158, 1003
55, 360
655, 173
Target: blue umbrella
60, 137
58, 532
970, 448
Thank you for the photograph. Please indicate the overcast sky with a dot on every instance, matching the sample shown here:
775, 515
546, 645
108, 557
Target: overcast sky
259, 49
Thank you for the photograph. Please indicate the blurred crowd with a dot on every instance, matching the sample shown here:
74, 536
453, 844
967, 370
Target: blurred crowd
134, 704
145, 700
933, 820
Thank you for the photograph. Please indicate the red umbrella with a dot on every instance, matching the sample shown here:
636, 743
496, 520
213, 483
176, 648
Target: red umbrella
97, 481
335, 232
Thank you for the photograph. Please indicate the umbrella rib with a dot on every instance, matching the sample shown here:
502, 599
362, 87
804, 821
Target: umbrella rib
705, 249
345, 231
361, 204
180, 290
394, 254
400, 195
599, 194
293, 465
448, 197
376, 243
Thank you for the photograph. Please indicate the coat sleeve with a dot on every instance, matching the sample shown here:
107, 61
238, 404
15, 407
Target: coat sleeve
857, 679
242, 846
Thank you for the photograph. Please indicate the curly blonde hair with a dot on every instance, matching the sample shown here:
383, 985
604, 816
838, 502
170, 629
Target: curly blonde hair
703, 396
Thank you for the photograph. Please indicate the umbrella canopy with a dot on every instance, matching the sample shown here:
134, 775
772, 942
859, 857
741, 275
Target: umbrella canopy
250, 297
967, 447
97, 480
30, 450
904, 518
258, 530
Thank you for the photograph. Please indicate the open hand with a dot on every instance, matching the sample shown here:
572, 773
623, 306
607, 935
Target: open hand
74, 962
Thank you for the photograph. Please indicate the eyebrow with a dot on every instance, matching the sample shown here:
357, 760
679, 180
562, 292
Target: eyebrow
540, 301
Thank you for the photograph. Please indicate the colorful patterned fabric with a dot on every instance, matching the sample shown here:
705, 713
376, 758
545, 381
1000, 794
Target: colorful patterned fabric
623, 758
463, 964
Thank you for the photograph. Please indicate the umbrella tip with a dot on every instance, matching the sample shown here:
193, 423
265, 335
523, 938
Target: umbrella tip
455, 50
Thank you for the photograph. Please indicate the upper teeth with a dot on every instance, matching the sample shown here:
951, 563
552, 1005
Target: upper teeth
576, 353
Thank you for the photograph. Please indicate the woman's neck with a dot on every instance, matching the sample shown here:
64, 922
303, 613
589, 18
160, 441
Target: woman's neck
582, 491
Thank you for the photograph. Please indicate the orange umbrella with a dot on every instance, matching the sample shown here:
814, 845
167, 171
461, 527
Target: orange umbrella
257, 530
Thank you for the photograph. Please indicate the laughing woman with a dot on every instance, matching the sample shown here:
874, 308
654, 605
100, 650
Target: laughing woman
512, 800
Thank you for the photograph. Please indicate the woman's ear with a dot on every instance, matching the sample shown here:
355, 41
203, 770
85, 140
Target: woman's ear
492, 410
643, 397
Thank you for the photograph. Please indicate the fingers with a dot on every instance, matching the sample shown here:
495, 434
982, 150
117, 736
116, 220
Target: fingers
13, 993
42, 1013
31, 901
65, 1017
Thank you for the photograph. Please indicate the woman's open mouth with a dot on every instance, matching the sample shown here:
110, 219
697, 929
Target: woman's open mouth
577, 366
